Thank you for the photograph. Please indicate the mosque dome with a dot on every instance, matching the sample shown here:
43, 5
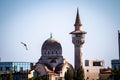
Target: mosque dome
51, 47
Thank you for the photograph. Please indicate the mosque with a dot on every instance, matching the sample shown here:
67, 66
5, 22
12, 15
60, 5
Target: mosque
51, 63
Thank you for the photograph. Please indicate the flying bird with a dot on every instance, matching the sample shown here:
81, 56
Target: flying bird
24, 45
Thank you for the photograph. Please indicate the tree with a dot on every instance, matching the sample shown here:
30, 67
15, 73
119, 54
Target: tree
69, 74
116, 74
10, 76
45, 77
79, 74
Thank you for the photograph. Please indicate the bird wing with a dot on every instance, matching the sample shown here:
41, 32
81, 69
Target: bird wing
24, 45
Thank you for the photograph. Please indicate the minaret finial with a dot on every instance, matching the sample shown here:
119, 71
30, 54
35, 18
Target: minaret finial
77, 22
50, 35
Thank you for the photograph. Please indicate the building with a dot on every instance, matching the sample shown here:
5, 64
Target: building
116, 62
78, 39
19, 70
92, 69
15, 66
105, 74
52, 63
16, 76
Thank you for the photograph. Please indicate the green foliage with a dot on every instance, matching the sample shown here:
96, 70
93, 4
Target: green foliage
39, 78
10, 76
44, 77
24, 79
116, 74
0, 77
76, 75
79, 74
69, 74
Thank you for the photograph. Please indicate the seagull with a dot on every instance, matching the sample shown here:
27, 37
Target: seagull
24, 45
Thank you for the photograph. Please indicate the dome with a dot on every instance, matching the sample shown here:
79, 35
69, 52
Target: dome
51, 47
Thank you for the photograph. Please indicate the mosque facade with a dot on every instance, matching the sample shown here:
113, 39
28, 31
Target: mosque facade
51, 63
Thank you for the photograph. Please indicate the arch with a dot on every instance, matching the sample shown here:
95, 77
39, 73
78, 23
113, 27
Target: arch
65, 68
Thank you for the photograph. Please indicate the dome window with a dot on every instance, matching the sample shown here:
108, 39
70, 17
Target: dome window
48, 52
52, 52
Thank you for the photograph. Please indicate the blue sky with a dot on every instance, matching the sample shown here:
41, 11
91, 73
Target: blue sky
32, 21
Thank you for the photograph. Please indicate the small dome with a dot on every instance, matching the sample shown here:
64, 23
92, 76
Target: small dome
51, 47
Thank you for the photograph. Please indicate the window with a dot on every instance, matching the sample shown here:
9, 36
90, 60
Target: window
21, 68
97, 64
83, 35
87, 70
87, 78
7, 68
1, 68
78, 35
15, 68
86, 62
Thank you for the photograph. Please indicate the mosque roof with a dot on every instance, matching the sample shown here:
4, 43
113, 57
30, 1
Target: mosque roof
78, 32
51, 44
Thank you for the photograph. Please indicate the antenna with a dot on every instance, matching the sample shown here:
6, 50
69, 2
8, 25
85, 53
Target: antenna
50, 35
119, 42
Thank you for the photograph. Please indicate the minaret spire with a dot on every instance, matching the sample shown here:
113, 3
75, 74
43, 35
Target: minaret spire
119, 42
77, 22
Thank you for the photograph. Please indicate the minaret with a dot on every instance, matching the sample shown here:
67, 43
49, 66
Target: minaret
119, 43
78, 39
